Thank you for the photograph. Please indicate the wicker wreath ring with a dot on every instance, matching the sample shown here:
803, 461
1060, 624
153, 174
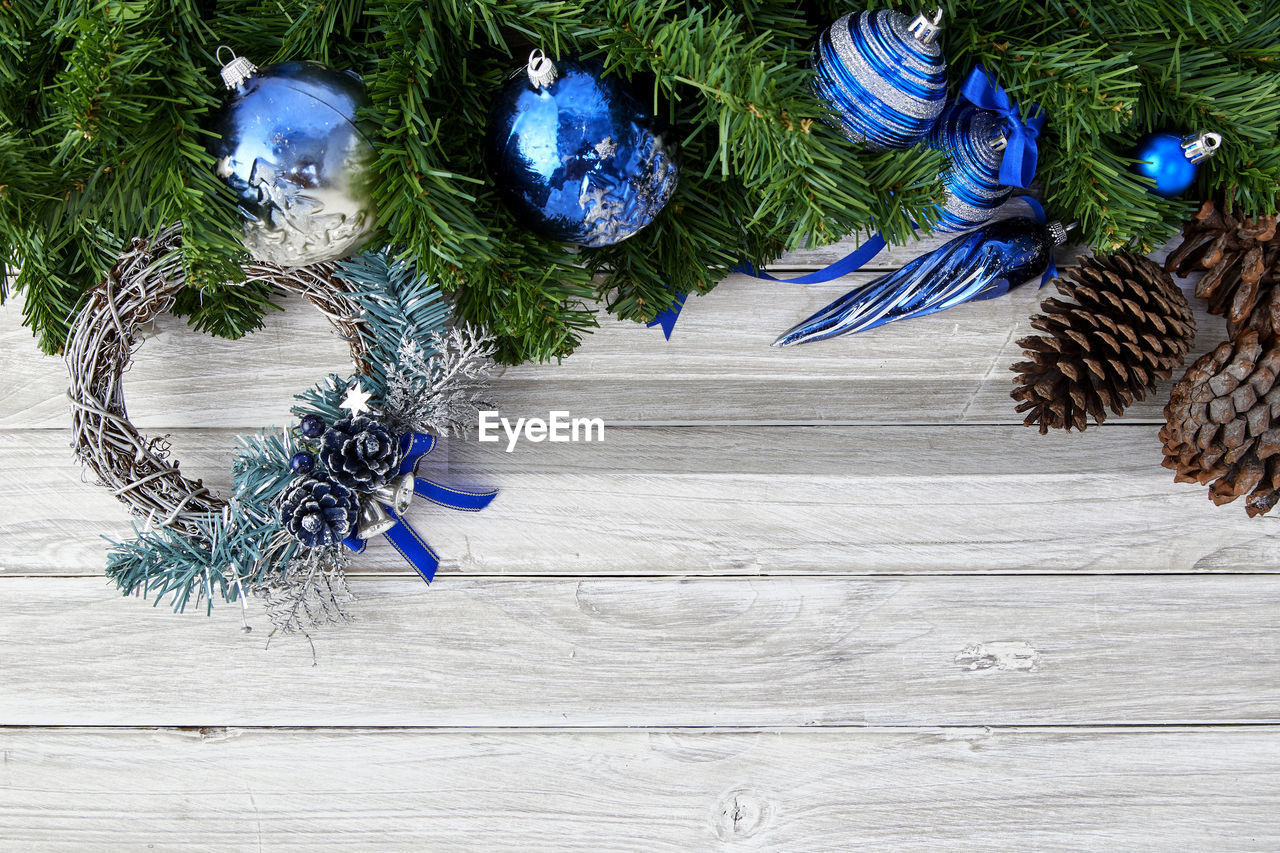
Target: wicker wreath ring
143, 284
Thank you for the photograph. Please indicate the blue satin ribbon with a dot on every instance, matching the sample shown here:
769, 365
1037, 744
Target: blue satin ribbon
1019, 164
851, 262
413, 447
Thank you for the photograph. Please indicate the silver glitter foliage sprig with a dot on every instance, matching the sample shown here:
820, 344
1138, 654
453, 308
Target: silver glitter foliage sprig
440, 390
314, 592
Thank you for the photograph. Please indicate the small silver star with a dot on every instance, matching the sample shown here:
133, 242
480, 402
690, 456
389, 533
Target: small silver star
357, 400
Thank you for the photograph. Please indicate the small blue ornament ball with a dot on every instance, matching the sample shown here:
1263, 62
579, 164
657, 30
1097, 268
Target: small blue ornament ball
312, 426
884, 75
301, 463
575, 156
1173, 161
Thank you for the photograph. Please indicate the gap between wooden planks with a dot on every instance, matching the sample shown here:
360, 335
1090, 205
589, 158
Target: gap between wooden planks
958, 789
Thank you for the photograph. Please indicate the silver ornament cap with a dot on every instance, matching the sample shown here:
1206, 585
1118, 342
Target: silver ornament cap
926, 30
1201, 146
1058, 232
541, 70
235, 70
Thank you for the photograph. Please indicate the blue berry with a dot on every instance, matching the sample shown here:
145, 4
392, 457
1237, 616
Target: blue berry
312, 426
301, 463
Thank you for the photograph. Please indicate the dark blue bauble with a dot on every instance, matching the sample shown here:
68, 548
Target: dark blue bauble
312, 426
884, 75
301, 463
1162, 158
975, 141
288, 144
577, 158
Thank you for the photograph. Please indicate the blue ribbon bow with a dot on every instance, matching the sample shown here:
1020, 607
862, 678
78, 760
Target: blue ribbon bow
1019, 164
414, 446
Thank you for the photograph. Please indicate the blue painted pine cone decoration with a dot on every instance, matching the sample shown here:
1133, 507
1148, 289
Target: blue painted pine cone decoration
360, 453
575, 156
318, 513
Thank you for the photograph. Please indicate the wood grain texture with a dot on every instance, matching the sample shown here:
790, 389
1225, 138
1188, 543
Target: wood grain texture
733, 501
718, 368
958, 790
662, 652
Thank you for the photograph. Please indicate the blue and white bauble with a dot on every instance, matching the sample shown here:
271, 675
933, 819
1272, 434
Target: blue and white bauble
884, 76
575, 156
1173, 161
287, 142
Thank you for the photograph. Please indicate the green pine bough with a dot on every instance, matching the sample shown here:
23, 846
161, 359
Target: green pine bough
102, 104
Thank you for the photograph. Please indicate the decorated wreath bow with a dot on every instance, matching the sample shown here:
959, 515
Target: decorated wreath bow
394, 501
1019, 164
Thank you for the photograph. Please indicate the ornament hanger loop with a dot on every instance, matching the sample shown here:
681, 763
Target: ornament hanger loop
541, 70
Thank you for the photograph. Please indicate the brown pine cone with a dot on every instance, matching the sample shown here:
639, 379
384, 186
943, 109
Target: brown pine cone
1128, 327
1240, 257
1220, 414
1222, 423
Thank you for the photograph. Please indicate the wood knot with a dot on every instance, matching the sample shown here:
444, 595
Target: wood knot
741, 813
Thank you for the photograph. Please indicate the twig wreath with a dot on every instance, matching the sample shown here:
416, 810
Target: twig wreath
302, 498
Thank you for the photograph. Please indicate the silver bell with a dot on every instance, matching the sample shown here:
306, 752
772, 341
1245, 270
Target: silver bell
373, 520
397, 493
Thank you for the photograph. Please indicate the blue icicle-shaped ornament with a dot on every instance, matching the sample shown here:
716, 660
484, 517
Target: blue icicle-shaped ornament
982, 264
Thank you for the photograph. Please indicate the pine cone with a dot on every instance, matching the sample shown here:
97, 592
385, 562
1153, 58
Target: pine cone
1241, 258
1128, 327
1222, 423
318, 513
360, 453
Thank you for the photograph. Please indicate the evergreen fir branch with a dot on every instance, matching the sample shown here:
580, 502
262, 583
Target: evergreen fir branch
102, 107
323, 398
242, 548
261, 470
398, 302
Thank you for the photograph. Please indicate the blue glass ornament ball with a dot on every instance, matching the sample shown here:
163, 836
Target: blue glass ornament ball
578, 160
312, 426
288, 145
1162, 158
301, 463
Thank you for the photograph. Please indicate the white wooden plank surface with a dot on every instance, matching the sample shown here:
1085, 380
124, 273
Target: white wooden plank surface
721, 500
1021, 580
957, 789
718, 367
663, 652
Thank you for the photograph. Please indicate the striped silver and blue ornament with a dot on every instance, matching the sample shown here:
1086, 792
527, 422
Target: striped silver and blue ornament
991, 146
884, 76
976, 141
